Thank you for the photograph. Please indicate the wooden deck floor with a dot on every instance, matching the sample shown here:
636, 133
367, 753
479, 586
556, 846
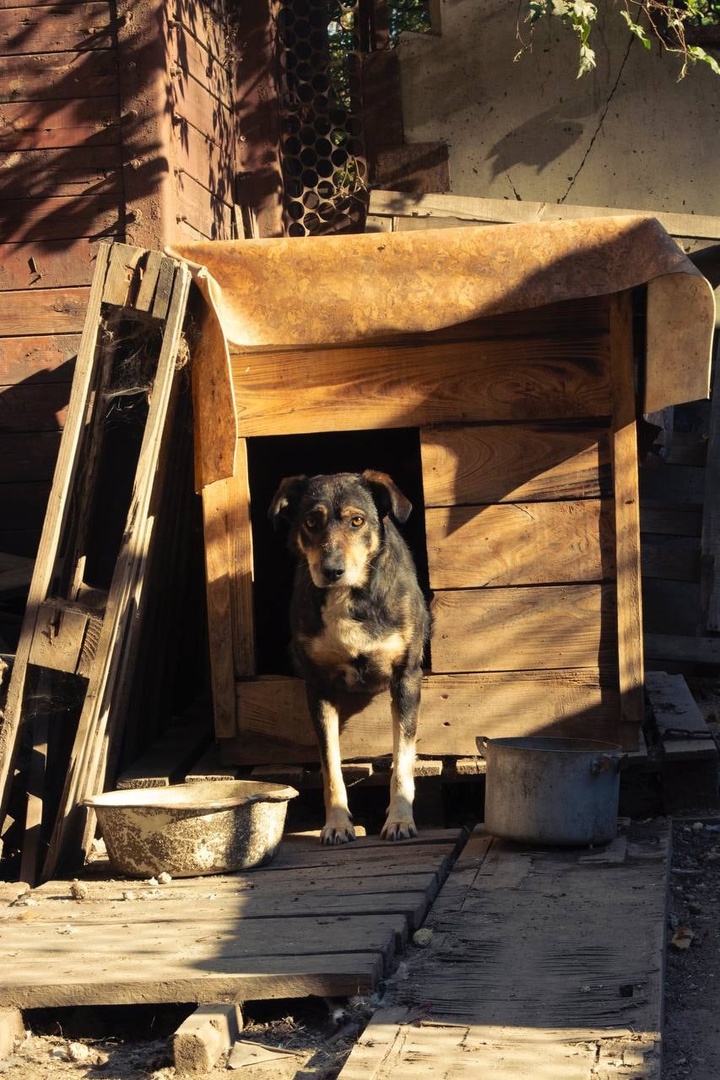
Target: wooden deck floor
541, 963
324, 921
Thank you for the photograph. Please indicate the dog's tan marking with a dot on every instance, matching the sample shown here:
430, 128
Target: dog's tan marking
338, 828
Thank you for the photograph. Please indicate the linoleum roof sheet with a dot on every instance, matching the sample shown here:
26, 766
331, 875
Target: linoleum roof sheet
326, 290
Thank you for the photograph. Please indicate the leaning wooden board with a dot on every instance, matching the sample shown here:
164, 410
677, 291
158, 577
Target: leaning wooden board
314, 921
541, 962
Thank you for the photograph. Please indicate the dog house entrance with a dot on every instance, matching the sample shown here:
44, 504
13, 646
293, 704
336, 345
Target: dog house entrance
395, 451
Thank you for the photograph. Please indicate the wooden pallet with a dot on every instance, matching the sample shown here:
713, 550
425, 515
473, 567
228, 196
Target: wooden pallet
316, 920
70, 679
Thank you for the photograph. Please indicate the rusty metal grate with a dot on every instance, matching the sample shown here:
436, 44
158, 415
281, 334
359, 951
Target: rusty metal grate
323, 153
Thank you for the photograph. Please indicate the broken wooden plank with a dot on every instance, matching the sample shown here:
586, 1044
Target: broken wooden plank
12, 1031
680, 725
507, 211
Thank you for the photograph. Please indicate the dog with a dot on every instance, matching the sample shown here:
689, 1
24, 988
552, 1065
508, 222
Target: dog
359, 622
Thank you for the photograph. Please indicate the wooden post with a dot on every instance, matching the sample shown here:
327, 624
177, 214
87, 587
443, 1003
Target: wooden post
627, 513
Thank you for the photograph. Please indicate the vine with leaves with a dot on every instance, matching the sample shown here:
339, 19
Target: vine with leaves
671, 24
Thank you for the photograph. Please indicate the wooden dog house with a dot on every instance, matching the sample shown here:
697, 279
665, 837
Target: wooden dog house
497, 374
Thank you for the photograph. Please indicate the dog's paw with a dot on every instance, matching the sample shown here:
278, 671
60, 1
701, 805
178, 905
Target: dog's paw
338, 829
398, 830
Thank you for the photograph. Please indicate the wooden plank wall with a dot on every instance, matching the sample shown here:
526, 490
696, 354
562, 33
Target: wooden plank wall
113, 126
527, 461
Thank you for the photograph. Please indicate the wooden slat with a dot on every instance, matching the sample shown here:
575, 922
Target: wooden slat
50, 357
63, 219
683, 649
227, 583
54, 264
520, 544
44, 311
54, 76
494, 463
549, 627
502, 211
28, 126
681, 727
57, 28
194, 60
673, 558
631, 670
274, 725
374, 387
62, 173
33, 407
199, 206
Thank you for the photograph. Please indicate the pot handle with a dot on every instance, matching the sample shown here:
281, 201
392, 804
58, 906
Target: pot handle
605, 763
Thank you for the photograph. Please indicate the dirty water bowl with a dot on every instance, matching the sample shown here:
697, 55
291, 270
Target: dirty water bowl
186, 830
554, 791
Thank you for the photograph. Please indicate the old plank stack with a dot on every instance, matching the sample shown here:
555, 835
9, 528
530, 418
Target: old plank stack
316, 920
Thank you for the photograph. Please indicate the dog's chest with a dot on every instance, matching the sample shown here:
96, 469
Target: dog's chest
350, 649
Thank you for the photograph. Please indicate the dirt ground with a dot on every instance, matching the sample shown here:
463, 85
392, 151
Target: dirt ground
311, 1039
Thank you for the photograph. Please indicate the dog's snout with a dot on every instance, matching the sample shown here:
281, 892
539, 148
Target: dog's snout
333, 568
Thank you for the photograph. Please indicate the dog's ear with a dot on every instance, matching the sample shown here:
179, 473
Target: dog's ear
388, 497
285, 499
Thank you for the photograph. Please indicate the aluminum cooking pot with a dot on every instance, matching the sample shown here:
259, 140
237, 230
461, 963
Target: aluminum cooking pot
553, 791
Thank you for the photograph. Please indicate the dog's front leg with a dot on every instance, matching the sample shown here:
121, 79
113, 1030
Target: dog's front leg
405, 692
338, 828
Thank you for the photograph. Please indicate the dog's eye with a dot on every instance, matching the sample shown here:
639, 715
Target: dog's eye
312, 523
357, 521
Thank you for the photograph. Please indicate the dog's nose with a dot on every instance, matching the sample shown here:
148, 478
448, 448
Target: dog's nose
333, 571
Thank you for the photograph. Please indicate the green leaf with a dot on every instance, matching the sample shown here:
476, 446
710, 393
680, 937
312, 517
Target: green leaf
637, 30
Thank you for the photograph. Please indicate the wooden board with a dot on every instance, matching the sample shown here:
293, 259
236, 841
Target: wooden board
493, 463
286, 393
557, 626
520, 544
539, 959
275, 726
314, 921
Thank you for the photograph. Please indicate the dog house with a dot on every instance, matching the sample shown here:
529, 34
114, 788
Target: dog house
497, 373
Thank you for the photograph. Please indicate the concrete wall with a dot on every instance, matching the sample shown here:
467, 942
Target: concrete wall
627, 135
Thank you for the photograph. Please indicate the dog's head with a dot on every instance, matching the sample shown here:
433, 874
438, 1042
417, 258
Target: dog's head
336, 522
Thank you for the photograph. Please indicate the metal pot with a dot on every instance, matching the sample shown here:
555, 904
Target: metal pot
560, 792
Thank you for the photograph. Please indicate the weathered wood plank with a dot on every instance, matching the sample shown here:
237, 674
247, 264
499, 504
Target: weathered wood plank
29, 126
195, 61
50, 358
28, 457
681, 726
672, 558
274, 725
505, 211
202, 208
493, 463
61, 172
44, 311
549, 627
59, 75
204, 1036
53, 218
55, 264
207, 163
56, 28
520, 544
375, 387
28, 407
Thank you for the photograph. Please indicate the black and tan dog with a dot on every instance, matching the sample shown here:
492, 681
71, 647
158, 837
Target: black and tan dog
359, 622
